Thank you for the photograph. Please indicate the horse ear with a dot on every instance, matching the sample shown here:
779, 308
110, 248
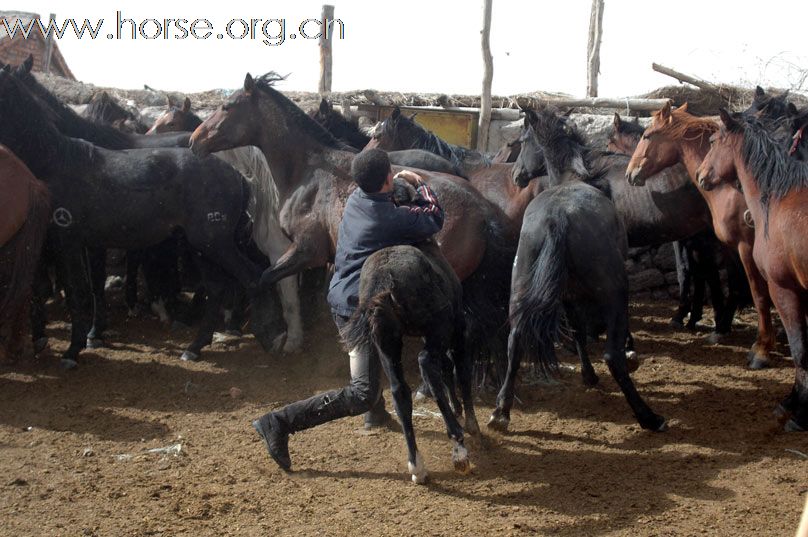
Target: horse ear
728, 121
249, 83
168, 102
186, 105
530, 117
683, 108
665, 112
396, 113
617, 121
760, 92
792, 109
325, 107
412, 117
28, 64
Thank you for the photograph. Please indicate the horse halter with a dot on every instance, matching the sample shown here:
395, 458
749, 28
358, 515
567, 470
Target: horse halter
797, 139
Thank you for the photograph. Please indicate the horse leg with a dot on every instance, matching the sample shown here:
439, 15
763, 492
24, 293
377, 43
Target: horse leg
134, 258
683, 277
617, 322
696, 264
42, 288
73, 261
97, 258
463, 370
389, 349
578, 324
215, 282
501, 417
429, 362
790, 306
289, 292
760, 354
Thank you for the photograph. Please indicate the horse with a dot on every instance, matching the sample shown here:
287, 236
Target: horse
105, 110
799, 123
695, 256
312, 173
774, 187
413, 291
508, 153
773, 107
492, 180
24, 215
129, 199
348, 132
571, 254
675, 136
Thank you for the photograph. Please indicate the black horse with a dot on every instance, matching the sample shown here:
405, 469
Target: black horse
413, 291
348, 132
129, 199
105, 110
571, 254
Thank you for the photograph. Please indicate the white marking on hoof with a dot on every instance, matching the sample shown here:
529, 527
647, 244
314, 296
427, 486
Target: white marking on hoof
632, 361
293, 344
277, 343
662, 428
189, 356
159, 309
791, 426
498, 423
418, 471
228, 316
460, 458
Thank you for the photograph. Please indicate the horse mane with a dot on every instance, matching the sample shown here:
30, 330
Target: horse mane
775, 172
773, 106
68, 121
104, 109
266, 82
685, 126
422, 138
631, 128
563, 143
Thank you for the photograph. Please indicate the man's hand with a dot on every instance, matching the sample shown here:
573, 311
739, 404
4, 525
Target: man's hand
411, 177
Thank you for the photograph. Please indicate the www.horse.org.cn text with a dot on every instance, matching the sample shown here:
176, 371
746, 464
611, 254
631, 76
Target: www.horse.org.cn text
272, 32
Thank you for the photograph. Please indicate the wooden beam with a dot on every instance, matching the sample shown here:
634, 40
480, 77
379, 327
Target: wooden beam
643, 105
488, 76
593, 48
681, 77
326, 33
46, 61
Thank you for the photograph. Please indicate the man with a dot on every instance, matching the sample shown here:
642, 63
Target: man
371, 221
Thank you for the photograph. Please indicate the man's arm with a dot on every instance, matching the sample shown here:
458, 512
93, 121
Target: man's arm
423, 217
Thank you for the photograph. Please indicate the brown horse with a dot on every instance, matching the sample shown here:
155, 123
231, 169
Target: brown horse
774, 187
311, 171
24, 215
675, 136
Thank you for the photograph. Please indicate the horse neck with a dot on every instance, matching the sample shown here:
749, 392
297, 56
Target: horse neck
751, 191
692, 153
48, 151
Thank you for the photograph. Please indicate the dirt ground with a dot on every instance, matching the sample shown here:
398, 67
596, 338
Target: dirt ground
74, 456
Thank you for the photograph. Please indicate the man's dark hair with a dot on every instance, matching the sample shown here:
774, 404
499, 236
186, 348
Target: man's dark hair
369, 169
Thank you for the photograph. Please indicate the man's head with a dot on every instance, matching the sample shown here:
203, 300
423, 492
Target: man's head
371, 170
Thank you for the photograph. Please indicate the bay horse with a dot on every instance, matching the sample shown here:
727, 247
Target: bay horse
695, 257
128, 199
24, 215
492, 180
774, 187
413, 291
571, 255
105, 110
312, 173
676, 136
799, 132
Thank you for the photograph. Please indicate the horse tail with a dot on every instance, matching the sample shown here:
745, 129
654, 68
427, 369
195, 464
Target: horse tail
25, 248
365, 324
536, 309
244, 226
485, 304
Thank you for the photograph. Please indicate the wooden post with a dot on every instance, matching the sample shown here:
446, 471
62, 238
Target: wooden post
681, 77
325, 51
593, 48
46, 61
488, 76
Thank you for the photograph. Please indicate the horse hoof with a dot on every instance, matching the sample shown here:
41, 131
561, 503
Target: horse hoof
498, 423
632, 361
471, 426
40, 345
663, 427
715, 338
189, 356
792, 426
95, 343
278, 343
178, 325
757, 363
460, 458
66, 364
418, 470
590, 379
677, 323
293, 345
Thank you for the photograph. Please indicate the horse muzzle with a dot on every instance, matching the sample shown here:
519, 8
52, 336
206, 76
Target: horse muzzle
634, 178
702, 180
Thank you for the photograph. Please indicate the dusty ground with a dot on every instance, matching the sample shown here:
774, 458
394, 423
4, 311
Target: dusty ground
74, 459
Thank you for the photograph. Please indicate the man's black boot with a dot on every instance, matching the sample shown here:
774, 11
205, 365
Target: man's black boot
275, 438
